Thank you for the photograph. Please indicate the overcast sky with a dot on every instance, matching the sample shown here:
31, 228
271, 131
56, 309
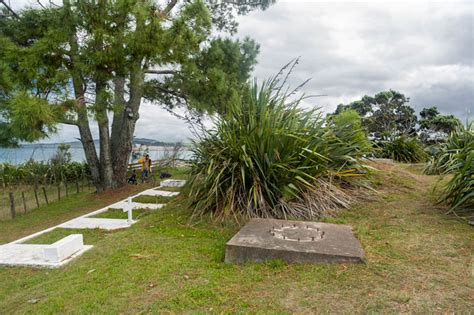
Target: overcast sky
424, 49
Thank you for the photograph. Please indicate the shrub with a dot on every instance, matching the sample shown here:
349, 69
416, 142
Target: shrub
456, 157
347, 127
268, 157
403, 149
59, 169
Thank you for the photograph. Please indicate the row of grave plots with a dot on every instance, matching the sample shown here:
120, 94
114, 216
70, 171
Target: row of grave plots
17, 253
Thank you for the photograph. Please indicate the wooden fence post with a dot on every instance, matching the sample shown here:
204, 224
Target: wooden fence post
24, 200
12, 205
36, 197
45, 196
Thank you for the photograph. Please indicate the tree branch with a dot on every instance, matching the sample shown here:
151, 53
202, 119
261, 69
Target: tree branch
66, 121
169, 7
174, 93
9, 9
39, 2
151, 71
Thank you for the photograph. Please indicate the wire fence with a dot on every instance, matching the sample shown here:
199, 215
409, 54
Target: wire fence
20, 199
20, 195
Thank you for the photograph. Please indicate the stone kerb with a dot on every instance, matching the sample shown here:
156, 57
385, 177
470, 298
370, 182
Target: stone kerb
64, 248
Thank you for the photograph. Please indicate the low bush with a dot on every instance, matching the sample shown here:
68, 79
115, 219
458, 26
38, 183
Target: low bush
403, 149
268, 157
59, 168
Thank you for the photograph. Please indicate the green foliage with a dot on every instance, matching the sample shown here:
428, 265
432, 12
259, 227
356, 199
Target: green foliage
31, 118
435, 127
268, 157
209, 81
59, 169
347, 126
456, 157
385, 115
37, 70
403, 149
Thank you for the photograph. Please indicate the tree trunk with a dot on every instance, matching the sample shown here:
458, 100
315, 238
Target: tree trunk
106, 169
79, 92
123, 125
90, 152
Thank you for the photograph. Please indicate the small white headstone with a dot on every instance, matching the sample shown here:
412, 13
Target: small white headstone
129, 208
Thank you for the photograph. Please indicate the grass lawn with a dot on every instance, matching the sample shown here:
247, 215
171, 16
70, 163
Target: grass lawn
152, 199
170, 188
112, 213
417, 260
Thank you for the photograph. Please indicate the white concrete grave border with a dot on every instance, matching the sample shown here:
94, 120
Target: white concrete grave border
61, 252
41, 255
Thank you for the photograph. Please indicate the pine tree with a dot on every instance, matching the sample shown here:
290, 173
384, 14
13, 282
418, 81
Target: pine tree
87, 62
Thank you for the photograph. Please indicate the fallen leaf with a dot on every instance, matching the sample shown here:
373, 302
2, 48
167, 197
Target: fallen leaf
140, 256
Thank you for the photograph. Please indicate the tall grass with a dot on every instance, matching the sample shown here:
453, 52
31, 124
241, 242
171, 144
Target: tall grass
456, 157
268, 157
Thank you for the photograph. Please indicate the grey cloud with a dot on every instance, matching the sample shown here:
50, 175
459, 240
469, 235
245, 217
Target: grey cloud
421, 48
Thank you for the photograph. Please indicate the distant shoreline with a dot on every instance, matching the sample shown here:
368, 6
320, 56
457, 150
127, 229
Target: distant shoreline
44, 152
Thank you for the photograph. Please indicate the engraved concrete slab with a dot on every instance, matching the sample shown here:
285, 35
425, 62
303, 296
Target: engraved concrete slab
294, 241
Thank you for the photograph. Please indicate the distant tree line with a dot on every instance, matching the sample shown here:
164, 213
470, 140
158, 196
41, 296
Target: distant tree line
388, 115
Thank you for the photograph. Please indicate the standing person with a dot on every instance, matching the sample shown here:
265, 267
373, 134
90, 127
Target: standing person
146, 166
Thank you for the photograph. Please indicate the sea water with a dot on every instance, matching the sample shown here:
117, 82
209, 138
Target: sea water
45, 152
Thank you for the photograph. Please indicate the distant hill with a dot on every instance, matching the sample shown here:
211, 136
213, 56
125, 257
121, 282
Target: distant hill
151, 142
75, 144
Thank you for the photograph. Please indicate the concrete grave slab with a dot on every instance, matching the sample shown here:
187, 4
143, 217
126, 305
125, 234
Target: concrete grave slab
172, 183
63, 248
96, 223
154, 192
136, 205
294, 241
32, 255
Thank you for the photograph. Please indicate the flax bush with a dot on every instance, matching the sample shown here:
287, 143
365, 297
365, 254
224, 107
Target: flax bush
403, 149
269, 157
456, 158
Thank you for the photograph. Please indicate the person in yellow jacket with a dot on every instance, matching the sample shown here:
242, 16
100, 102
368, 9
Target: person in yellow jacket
146, 166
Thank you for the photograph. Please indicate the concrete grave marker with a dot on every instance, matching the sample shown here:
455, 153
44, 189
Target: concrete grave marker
64, 248
294, 241
129, 208
172, 183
